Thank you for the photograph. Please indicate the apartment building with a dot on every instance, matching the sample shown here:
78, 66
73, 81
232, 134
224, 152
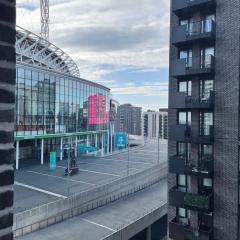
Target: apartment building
155, 124
204, 120
129, 119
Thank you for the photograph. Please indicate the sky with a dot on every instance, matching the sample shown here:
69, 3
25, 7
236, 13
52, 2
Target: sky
122, 44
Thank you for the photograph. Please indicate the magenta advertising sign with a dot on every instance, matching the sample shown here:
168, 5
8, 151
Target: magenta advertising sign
97, 110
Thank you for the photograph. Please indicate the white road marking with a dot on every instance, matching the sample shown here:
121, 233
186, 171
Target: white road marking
104, 173
97, 224
66, 179
40, 190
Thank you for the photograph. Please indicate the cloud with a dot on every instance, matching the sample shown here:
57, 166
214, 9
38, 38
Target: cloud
126, 35
146, 90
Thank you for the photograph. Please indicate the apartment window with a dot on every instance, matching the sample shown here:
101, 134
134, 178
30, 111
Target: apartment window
183, 150
186, 54
207, 182
206, 150
182, 182
206, 57
184, 118
206, 86
186, 87
207, 23
183, 215
206, 122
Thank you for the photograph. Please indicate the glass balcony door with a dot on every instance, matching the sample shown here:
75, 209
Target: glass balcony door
206, 122
206, 57
206, 86
184, 118
187, 55
185, 87
183, 150
207, 23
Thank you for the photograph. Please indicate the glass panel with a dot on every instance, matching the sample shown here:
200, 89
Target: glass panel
182, 212
183, 87
206, 119
182, 180
182, 117
207, 182
206, 86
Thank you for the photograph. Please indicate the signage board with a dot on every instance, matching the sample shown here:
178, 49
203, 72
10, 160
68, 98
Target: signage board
53, 161
121, 140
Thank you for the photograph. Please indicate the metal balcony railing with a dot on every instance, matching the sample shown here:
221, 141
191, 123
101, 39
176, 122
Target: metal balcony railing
180, 101
201, 201
193, 66
180, 229
182, 165
194, 32
185, 133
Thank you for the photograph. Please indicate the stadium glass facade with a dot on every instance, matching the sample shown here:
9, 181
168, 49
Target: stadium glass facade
53, 109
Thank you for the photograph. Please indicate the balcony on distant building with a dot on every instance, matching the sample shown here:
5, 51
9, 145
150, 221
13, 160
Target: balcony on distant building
181, 165
201, 202
198, 66
196, 32
181, 101
179, 230
184, 133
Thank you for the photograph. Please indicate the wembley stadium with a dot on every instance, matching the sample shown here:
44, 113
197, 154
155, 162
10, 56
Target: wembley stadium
54, 106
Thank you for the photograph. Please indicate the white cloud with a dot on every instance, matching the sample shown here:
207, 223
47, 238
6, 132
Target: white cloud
111, 31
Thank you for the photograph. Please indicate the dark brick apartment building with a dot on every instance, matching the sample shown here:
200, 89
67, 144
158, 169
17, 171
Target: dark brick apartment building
204, 120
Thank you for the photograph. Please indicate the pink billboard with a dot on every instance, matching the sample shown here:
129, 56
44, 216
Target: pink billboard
97, 110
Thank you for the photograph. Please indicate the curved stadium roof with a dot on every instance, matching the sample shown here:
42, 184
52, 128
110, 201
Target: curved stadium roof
34, 50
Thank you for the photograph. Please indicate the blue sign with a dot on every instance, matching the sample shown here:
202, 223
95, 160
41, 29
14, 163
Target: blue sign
121, 140
53, 161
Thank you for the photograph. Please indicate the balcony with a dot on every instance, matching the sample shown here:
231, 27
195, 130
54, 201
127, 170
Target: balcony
201, 202
186, 7
193, 67
181, 101
181, 231
184, 133
180, 165
197, 32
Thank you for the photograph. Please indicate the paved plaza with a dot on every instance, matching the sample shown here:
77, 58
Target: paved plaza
36, 185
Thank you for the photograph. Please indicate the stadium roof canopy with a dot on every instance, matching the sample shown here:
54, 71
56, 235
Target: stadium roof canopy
34, 50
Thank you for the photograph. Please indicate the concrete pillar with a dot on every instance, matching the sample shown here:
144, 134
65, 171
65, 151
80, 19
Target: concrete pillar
61, 149
87, 142
76, 142
96, 140
42, 151
149, 233
17, 155
102, 149
108, 141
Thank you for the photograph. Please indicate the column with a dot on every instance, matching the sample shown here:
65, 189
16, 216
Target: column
61, 149
42, 151
96, 143
87, 142
102, 150
149, 233
17, 155
76, 143
108, 141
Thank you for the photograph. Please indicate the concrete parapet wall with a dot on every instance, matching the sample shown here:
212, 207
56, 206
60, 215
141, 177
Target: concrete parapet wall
137, 225
52, 213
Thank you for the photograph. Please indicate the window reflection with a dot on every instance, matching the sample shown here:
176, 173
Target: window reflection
48, 103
